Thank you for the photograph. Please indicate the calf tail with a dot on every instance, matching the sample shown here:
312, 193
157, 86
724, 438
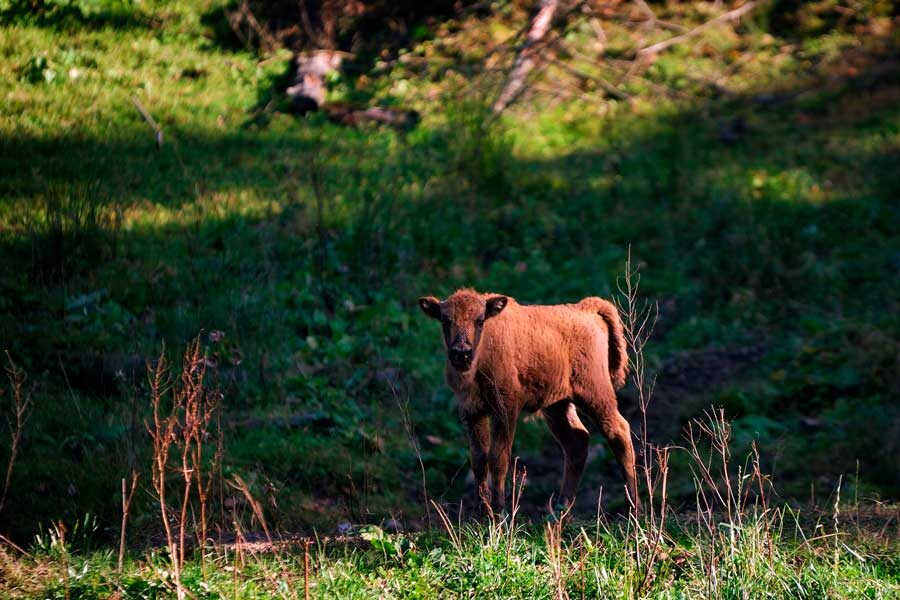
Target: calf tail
618, 347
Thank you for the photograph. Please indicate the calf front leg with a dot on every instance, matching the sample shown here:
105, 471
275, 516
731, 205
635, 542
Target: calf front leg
502, 434
478, 430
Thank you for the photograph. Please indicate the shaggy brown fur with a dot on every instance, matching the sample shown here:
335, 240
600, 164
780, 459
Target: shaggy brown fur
503, 357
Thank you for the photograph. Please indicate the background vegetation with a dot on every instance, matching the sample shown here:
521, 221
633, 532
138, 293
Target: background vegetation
751, 171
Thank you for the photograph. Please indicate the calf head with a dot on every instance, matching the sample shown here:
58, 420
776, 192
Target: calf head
462, 317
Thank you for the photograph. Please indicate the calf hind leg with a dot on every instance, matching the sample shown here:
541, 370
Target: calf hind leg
600, 405
574, 437
618, 433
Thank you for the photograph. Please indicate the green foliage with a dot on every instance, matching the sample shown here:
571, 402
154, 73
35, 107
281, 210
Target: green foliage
66, 11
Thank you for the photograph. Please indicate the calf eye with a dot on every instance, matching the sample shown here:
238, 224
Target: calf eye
479, 321
445, 320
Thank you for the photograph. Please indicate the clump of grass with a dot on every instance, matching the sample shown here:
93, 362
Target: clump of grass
74, 229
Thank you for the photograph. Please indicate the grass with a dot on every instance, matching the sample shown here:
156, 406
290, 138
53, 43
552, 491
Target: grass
764, 215
599, 559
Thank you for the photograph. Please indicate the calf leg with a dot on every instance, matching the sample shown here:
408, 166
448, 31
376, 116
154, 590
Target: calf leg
502, 433
618, 434
574, 437
478, 430
599, 402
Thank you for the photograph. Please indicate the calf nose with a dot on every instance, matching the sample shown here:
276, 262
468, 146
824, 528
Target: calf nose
461, 353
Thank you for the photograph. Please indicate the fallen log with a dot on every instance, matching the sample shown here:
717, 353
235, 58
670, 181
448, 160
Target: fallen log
353, 116
307, 94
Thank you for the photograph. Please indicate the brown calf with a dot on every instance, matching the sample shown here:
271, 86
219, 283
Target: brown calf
503, 357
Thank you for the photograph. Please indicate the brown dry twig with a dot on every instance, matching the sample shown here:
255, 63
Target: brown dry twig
22, 411
181, 427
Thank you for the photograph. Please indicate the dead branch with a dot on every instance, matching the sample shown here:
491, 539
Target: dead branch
14, 546
732, 15
606, 86
157, 130
528, 56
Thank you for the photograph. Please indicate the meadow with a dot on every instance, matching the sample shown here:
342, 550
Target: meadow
748, 177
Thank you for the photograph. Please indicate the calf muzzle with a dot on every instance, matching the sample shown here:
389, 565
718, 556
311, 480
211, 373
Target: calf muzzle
461, 359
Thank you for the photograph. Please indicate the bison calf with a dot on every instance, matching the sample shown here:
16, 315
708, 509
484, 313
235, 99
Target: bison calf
503, 357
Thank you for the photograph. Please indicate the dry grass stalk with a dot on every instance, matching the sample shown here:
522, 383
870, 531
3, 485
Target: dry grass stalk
553, 534
240, 485
723, 500
162, 433
127, 496
762, 480
182, 424
22, 411
274, 579
448, 525
306, 569
639, 320
724, 494
518, 486
414, 442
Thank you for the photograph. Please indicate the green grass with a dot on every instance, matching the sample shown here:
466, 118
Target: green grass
783, 234
589, 560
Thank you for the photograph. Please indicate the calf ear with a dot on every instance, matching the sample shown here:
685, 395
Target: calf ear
495, 305
431, 306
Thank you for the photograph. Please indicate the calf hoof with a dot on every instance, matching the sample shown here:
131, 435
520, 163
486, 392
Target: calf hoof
557, 510
485, 512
